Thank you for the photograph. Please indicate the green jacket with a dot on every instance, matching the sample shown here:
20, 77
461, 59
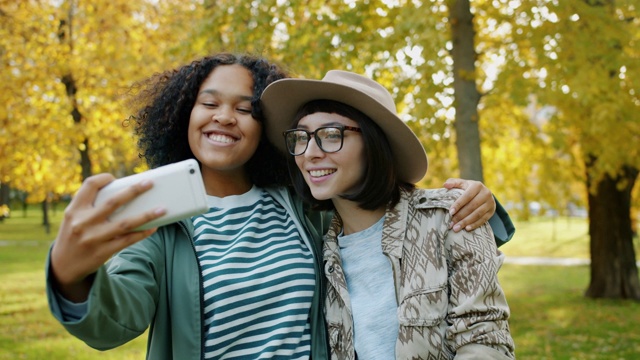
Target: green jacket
157, 282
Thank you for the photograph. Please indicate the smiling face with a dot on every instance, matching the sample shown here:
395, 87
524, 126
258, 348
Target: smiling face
223, 135
330, 175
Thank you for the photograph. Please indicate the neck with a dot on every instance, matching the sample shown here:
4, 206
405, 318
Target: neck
354, 218
221, 184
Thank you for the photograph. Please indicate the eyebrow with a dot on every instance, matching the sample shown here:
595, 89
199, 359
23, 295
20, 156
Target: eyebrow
333, 123
216, 92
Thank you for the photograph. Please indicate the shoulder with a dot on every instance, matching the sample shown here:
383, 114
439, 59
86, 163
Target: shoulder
281, 193
433, 198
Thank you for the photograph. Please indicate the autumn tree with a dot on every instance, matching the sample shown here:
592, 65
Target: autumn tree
581, 57
32, 158
105, 47
69, 67
534, 106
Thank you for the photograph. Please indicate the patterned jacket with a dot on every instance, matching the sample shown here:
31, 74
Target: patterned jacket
450, 304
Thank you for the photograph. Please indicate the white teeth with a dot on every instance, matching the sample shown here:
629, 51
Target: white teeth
222, 138
319, 173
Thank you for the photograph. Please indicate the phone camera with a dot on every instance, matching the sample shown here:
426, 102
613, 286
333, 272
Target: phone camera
191, 171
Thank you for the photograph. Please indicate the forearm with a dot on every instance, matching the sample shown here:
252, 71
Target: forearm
94, 323
119, 306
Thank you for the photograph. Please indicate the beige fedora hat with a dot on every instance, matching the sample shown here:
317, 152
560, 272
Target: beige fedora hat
282, 99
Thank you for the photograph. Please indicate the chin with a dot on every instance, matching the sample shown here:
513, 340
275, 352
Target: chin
321, 196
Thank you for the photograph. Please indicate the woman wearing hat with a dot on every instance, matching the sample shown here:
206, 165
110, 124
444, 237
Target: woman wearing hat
400, 284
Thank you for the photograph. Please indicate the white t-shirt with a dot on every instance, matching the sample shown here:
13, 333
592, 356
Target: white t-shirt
373, 300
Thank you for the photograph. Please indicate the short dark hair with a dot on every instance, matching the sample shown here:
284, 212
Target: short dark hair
164, 105
380, 184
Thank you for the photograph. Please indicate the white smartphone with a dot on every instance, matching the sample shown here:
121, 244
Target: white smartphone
177, 187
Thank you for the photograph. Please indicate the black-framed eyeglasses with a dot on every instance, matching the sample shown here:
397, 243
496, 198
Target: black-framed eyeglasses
328, 138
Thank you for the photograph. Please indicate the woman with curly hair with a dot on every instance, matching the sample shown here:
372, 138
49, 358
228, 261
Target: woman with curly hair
242, 280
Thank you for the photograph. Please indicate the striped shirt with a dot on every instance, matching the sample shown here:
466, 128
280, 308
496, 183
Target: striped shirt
258, 279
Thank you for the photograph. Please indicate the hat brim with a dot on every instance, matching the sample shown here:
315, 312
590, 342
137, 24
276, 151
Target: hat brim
282, 99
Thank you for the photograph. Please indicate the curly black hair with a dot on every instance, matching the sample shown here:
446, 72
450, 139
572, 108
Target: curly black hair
164, 107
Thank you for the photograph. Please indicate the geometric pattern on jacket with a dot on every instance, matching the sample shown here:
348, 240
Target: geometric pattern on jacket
450, 303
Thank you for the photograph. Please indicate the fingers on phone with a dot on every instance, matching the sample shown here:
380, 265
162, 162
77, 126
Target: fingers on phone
87, 192
124, 196
120, 242
135, 190
150, 215
132, 223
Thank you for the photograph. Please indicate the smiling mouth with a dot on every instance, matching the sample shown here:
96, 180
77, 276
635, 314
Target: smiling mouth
225, 139
321, 173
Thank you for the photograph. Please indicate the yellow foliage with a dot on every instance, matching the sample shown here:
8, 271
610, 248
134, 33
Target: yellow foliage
103, 46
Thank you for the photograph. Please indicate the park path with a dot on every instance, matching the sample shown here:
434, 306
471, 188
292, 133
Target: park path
533, 260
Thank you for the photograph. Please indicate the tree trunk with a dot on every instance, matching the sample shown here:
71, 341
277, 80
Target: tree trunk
45, 216
65, 33
85, 161
4, 193
4, 199
614, 273
23, 200
467, 95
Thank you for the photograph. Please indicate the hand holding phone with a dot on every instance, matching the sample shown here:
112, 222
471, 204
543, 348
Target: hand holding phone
177, 187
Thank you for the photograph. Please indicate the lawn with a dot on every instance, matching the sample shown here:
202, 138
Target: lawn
550, 237
550, 317
27, 329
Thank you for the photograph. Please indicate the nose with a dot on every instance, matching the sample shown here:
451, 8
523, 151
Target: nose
313, 150
223, 115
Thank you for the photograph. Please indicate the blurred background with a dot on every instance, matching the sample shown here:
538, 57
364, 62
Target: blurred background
538, 99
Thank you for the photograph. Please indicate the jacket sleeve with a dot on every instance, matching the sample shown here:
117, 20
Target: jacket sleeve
477, 310
501, 225
122, 299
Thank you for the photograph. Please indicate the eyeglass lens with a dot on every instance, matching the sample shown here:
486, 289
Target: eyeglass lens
329, 139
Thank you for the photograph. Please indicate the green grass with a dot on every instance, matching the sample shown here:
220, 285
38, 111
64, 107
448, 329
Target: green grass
562, 237
555, 238
26, 225
550, 317
27, 329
